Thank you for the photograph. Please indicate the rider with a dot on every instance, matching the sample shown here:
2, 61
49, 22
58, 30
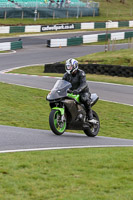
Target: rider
77, 78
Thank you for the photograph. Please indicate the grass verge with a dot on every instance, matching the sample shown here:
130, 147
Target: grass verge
98, 174
5, 51
26, 107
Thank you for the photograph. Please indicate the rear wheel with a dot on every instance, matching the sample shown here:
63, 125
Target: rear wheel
93, 128
57, 122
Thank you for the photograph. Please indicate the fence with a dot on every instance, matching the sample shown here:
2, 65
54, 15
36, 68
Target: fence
48, 12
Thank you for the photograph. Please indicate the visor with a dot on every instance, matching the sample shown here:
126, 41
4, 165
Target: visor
69, 67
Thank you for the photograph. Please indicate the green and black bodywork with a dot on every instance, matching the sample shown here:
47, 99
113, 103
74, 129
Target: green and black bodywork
68, 113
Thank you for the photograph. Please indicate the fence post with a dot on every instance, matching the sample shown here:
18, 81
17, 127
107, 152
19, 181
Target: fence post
108, 44
67, 14
81, 14
53, 14
129, 39
22, 16
38, 15
131, 42
5, 15
93, 12
113, 45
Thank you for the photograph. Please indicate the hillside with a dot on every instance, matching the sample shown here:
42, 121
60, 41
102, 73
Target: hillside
115, 10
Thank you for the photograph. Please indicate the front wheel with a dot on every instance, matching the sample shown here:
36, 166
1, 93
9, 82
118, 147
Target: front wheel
57, 122
93, 128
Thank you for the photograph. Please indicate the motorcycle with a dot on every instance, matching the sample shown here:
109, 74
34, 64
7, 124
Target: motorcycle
67, 112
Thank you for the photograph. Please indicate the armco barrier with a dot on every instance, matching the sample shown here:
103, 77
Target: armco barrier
56, 27
6, 46
89, 39
112, 70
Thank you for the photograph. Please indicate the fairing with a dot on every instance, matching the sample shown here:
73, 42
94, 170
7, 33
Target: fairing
94, 99
59, 90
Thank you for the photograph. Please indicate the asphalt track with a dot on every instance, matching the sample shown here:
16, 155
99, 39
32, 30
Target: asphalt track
22, 139
37, 38
13, 139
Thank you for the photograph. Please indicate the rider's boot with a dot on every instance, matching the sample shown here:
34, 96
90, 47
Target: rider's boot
90, 116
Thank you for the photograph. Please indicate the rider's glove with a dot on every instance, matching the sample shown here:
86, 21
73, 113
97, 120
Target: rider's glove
69, 91
75, 92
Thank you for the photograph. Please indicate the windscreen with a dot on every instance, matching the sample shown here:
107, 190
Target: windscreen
59, 90
61, 84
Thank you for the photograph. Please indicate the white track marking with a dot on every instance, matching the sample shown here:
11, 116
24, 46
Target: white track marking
61, 148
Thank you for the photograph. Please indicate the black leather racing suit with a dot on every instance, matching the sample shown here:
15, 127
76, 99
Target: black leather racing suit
79, 84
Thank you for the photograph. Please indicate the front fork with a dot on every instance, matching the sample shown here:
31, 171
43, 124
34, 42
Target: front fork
62, 111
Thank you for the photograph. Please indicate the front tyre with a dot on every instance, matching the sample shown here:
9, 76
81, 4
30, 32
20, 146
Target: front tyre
57, 122
93, 128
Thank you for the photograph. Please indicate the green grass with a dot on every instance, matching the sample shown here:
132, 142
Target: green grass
78, 174
5, 51
114, 10
121, 57
26, 107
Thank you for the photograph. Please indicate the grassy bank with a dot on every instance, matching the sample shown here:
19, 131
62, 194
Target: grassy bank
122, 57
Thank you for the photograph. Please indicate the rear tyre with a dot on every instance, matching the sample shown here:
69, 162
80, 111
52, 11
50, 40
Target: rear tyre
57, 122
93, 129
